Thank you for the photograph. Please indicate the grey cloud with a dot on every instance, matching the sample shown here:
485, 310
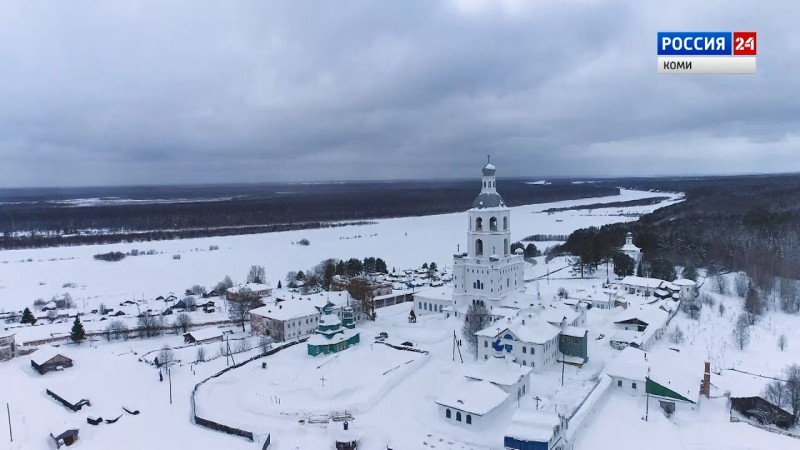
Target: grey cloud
173, 92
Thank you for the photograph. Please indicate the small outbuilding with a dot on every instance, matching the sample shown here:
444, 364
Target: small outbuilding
65, 436
532, 429
8, 345
48, 359
203, 335
69, 397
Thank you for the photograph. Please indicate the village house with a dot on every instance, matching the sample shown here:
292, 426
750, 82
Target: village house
508, 376
639, 327
8, 345
234, 294
48, 359
285, 320
203, 335
747, 399
668, 378
645, 287
528, 340
470, 403
532, 429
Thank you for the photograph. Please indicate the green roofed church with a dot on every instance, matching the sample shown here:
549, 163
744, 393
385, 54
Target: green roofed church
333, 335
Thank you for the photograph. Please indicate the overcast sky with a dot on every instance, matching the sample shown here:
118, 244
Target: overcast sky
155, 92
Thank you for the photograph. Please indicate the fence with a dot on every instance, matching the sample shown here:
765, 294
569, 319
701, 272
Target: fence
216, 426
402, 347
132, 332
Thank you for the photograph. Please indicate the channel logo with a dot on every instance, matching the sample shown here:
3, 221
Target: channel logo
722, 52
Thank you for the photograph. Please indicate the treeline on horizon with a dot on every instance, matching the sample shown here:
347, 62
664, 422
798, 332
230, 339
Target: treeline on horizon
45, 224
749, 224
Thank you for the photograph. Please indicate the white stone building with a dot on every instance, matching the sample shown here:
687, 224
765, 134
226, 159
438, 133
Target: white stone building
631, 250
527, 340
487, 271
285, 320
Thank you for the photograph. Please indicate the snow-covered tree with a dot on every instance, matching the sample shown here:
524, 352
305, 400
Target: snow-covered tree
782, 342
676, 336
239, 310
257, 274
183, 322
166, 356
741, 331
476, 319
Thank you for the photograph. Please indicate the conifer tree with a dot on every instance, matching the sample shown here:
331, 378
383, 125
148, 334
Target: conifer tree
27, 316
78, 333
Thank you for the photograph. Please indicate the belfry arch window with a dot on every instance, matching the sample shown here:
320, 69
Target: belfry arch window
479, 224
505, 223
505, 246
478, 247
493, 224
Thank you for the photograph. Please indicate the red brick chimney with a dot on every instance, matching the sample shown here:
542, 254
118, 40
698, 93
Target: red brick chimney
705, 387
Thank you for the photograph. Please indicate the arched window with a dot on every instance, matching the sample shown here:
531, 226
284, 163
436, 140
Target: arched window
478, 247
469, 419
479, 224
493, 224
505, 246
505, 223
447, 413
458, 416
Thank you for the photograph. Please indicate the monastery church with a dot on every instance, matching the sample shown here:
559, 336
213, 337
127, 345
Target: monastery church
532, 331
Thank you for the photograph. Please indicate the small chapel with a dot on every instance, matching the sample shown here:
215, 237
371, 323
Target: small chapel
333, 335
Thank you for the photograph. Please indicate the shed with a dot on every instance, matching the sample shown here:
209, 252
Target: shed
68, 397
47, 359
203, 335
67, 436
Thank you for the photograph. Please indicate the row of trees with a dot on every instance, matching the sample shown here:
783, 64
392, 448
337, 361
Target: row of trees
321, 275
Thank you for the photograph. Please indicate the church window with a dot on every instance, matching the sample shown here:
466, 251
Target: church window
619, 383
524, 349
505, 223
493, 224
447, 413
524, 363
469, 419
505, 246
485, 344
479, 247
458, 416
478, 224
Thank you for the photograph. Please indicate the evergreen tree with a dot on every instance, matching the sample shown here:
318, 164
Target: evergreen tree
78, 333
380, 266
279, 284
689, 272
531, 251
27, 316
623, 264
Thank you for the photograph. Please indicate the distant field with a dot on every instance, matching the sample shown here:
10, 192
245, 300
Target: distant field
32, 218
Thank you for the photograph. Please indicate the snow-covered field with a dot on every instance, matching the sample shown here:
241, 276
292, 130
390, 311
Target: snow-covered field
26, 275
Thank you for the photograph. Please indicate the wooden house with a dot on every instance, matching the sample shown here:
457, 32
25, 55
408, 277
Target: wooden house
48, 359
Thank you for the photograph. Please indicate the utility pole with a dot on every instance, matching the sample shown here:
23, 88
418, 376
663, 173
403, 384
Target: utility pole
562, 370
647, 405
537, 402
10, 433
169, 375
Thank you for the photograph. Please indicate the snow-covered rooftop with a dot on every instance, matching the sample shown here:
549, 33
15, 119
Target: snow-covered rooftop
45, 354
255, 287
578, 332
498, 371
526, 328
204, 334
630, 364
642, 282
532, 425
322, 339
649, 314
684, 282
287, 310
741, 385
475, 397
